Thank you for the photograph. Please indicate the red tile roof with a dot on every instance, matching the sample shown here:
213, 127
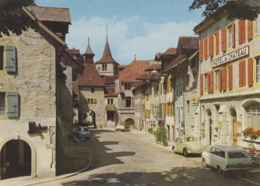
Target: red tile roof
108, 79
107, 56
145, 76
154, 67
132, 71
170, 51
110, 92
90, 77
73, 51
180, 59
53, 14
189, 42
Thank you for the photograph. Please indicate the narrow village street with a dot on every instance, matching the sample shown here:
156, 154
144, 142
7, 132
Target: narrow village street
132, 158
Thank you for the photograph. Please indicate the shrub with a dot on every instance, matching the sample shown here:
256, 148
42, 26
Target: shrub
160, 134
127, 126
150, 130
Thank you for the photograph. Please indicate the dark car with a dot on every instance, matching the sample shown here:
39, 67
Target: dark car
83, 133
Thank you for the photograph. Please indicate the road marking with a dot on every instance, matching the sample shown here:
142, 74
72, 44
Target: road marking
249, 181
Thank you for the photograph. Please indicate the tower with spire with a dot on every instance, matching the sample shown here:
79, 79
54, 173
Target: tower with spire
107, 66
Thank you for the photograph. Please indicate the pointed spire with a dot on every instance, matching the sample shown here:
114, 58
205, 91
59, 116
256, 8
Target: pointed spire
89, 54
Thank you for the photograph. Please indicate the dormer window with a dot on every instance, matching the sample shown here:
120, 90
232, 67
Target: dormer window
127, 86
104, 67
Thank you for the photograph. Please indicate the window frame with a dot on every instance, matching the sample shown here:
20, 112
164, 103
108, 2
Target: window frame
3, 101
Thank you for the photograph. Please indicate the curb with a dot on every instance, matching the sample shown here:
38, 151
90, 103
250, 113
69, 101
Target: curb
63, 176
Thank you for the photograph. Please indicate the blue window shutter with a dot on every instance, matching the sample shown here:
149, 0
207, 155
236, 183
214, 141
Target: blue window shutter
13, 104
10, 59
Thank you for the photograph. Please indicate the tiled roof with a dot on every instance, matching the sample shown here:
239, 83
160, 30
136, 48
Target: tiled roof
134, 68
90, 77
53, 14
108, 79
145, 76
170, 51
189, 42
107, 56
131, 78
110, 92
177, 61
154, 67
77, 70
122, 66
73, 51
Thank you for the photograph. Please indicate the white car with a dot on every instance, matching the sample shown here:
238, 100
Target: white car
186, 144
226, 158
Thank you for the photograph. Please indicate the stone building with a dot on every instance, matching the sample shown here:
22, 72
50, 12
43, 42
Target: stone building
229, 81
29, 97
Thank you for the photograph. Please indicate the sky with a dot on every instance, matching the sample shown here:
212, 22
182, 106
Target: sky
138, 28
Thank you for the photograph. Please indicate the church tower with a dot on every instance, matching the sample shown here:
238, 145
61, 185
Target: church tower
107, 66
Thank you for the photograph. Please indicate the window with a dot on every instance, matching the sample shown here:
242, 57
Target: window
257, 73
98, 68
1, 57
91, 101
128, 102
229, 36
127, 86
216, 79
253, 116
104, 67
92, 89
156, 111
2, 103
257, 25
206, 82
110, 101
188, 107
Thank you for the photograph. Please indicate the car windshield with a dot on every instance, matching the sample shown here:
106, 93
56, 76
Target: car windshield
233, 155
83, 129
190, 139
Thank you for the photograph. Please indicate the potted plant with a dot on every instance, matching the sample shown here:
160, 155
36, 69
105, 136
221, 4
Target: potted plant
160, 135
247, 132
150, 130
127, 126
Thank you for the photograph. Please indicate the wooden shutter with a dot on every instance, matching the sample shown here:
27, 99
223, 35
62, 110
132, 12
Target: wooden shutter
211, 81
250, 71
11, 59
249, 29
13, 105
205, 48
208, 78
217, 42
223, 39
201, 83
230, 77
233, 34
242, 74
220, 79
242, 31
201, 50
224, 78
211, 45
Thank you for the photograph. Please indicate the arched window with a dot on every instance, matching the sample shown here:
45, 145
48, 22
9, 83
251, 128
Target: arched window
128, 102
253, 116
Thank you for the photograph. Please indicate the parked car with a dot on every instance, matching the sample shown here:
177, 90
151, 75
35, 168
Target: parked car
120, 128
226, 158
186, 144
83, 133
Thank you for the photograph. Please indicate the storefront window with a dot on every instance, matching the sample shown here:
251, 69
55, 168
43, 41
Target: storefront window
253, 116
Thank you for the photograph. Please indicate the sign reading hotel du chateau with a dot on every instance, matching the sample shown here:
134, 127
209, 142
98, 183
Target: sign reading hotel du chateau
242, 52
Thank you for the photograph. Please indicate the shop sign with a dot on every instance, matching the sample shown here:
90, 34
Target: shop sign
34, 128
194, 100
242, 52
220, 125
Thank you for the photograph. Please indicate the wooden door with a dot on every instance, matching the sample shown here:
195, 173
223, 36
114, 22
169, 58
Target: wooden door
234, 131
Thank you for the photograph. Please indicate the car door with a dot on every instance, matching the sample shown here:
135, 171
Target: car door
178, 144
211, 159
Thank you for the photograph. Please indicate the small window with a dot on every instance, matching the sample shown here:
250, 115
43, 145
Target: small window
206, 82
229, 36
1, 57
257, 74
2, 103
92, 89
216, 79
128, 102
127, 86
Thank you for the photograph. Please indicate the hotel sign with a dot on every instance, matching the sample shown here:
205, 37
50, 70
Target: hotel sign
242, 52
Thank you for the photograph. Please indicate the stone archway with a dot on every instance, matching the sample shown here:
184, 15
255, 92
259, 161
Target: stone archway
26, 156
131, 122
89, 118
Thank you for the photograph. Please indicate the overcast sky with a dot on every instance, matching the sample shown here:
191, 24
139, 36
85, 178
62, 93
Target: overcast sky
135, 27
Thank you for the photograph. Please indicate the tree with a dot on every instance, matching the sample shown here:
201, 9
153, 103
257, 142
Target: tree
240, 9
14, 21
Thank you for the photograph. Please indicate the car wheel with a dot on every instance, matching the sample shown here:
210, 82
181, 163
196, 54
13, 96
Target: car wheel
185, 153
173, 148
204, 164
220, 171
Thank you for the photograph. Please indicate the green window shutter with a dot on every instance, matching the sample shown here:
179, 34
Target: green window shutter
10, 59
160, 111
13, 104
153, 109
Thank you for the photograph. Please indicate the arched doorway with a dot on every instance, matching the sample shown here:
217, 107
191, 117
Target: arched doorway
209, 125
16, 159
89, 118
234, 123
130, 121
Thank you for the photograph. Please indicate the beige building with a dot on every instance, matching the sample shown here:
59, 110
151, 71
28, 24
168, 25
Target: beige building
229, 81
28, 101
